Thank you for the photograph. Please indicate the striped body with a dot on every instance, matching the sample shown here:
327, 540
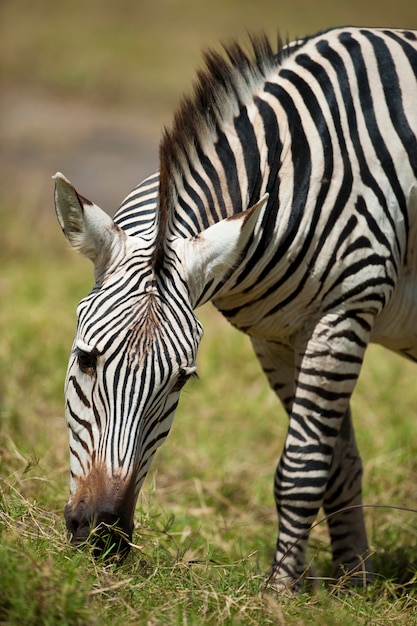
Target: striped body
286, 196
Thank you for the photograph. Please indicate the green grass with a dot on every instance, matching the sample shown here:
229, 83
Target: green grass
205, 522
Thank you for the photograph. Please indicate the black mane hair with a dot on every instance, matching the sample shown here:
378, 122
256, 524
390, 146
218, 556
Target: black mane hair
225, 82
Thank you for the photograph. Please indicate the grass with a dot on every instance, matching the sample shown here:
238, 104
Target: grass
205, 521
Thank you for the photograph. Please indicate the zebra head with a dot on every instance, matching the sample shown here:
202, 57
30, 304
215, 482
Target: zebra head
135, 347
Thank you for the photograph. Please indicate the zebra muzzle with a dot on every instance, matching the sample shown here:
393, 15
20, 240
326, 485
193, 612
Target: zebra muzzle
103, 518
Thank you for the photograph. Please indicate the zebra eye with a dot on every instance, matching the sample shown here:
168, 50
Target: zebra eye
183, 376
87, 361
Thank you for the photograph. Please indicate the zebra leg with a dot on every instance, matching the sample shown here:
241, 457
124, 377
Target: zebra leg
344, 493
327, 365
328, 361
278, 364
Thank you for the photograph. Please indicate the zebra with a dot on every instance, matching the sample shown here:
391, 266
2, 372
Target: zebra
286, 196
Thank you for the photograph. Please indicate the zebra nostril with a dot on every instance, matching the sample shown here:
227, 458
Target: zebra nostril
73, 526
77, 523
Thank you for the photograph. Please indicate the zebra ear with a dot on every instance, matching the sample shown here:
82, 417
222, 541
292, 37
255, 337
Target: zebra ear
87, 227
210, 256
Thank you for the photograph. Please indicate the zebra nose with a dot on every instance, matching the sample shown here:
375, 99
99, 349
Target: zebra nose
78, 522
108, 532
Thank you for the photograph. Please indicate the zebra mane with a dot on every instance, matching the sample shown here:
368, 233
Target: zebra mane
221, 87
